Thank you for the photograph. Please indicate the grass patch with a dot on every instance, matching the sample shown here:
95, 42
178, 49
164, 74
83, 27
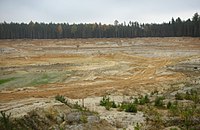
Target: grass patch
142, 100
130, 107
34, 79
107, 103
42, 80
127, 107
192, 95
159, 102
45, 78
49, 77
2, 81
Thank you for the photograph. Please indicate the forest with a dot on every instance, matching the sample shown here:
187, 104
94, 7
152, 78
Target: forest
34, 30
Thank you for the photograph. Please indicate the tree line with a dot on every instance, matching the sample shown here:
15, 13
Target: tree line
174, 28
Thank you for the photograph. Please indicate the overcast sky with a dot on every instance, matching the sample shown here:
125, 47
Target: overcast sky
90, 11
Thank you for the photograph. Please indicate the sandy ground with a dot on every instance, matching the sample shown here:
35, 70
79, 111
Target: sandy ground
116, 118
32, 72
45, 68
120, 119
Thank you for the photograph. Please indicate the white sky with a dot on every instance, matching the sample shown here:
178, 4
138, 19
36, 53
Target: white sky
91, 11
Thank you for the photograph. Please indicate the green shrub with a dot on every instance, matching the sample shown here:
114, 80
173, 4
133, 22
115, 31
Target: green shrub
187, 114
154, 92
174, 108
137, 127
122, 106
196, 99
113, 104
130, 107
144, 100
159, 102
169, 104
77, 106
84, 119
193, 92
107, 103
136, 101
108, 107
179, 96
5, 121
192, 95
61, 99
189, 95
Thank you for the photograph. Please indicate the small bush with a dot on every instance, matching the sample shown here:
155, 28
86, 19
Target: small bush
136, 101
189, 95
84, 119
61, 99
113, 104
154, 92
187, 114
193, 92
179, 96
5, 121
174, 108
128, 107
159, 102
77, 106
169, 104
144, 100
122, 106
137, 127
108, 107
196, 99
107, 103
192, 95
131, 108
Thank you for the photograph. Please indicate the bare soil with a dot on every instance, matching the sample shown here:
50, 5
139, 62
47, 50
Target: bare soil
45, 68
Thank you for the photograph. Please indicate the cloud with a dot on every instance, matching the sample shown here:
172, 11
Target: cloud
105, 11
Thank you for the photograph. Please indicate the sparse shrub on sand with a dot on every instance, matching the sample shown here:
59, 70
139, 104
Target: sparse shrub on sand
159, 102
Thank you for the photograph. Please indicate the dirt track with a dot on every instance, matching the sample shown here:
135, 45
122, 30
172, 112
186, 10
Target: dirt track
43, 68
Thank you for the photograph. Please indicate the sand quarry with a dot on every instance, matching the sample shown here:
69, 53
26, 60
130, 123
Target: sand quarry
34, 71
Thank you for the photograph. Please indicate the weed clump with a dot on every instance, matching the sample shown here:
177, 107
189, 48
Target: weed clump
130, 107
127, 107
159, 102
61, 98
189, 95
179, 96
169, 105
107, 103
137, 127
5, 121
142, 100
